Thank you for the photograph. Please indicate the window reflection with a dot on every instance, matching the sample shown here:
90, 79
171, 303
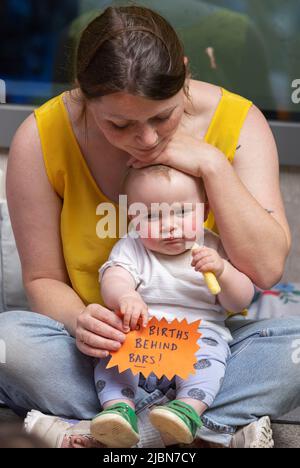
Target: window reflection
248, 46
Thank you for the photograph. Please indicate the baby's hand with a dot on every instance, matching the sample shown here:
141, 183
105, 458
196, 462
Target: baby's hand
132, 307
206, 259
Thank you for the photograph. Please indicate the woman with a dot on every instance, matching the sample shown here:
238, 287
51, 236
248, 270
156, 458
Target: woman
135, 104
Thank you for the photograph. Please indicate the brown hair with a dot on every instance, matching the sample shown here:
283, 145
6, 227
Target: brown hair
131, 49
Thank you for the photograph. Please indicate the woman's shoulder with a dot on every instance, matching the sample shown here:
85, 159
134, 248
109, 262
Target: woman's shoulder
27, 137
205, 97
201, 106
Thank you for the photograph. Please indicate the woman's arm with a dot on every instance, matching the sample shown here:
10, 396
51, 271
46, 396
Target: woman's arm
246, 201
55, 299
237, 290
244, 197
35, 211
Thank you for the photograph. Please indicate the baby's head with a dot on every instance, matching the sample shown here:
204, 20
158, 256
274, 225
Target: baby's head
171, 205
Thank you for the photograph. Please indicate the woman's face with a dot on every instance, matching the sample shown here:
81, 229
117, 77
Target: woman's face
138, 126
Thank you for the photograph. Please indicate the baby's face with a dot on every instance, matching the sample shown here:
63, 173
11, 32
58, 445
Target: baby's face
173, 214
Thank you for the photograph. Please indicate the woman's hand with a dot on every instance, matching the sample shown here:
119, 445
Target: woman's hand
206, 260
185, 153
99, 331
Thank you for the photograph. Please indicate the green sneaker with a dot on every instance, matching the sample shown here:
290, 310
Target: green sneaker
116, 426
177, 420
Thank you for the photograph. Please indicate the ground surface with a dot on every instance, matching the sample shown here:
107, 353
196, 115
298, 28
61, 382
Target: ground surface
285, 435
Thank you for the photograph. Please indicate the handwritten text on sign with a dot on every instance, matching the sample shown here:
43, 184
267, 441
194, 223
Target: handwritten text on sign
162, 348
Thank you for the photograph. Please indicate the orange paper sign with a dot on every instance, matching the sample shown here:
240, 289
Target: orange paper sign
162, 348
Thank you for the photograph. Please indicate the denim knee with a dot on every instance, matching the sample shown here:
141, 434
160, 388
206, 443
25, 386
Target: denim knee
20, 340
263, 375
43, 368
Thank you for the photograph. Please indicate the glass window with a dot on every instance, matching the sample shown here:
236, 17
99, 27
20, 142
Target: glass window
251, 47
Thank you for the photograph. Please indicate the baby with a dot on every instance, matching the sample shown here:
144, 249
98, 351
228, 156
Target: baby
155, 273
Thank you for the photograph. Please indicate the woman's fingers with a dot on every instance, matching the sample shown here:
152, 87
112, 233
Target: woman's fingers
105, 315
95, 341
99, 330
92, 352
103, 330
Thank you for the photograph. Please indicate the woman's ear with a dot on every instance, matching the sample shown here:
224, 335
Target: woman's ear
186, 60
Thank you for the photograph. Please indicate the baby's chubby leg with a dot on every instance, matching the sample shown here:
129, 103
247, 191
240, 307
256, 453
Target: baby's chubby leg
179, 419
114, 387
201, 388
116, 425
198, 406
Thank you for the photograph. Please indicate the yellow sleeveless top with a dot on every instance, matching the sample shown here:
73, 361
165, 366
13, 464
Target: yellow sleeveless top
84, 252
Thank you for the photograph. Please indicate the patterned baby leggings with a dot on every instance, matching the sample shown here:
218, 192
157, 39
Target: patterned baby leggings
204, 385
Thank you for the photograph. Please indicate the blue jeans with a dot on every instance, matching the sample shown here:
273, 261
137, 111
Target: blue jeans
45, 371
